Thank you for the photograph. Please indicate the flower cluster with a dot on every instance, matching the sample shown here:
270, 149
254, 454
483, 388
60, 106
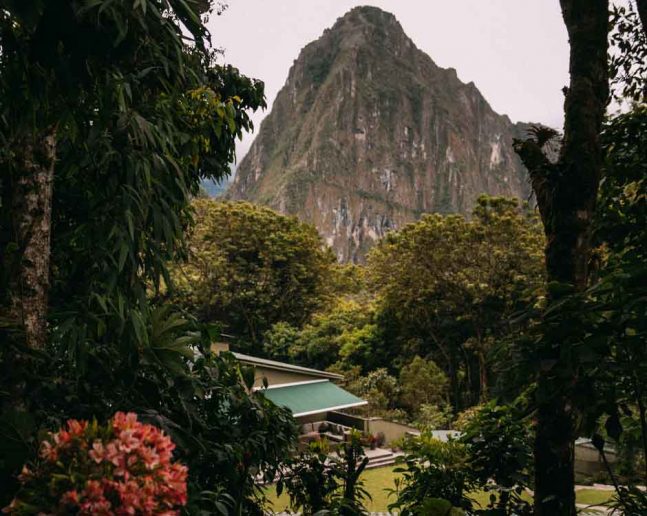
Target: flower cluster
124, 468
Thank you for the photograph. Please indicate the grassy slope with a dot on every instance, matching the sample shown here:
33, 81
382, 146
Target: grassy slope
378, 479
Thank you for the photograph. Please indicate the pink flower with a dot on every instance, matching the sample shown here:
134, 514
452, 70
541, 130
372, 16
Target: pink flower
127, 441
48, 452
98, 452
100, 507
76, 428
126, 468
70, 497
62, 438
122, 421
93, 489
149, 456
112, 453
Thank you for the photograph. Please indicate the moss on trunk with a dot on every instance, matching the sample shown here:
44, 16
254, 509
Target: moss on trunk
31, 203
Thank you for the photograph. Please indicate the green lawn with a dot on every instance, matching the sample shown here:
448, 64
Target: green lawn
375, 482
378, 479
593, 496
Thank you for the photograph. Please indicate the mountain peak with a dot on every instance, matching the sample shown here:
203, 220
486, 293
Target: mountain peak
366, 23
368, 133
367, 15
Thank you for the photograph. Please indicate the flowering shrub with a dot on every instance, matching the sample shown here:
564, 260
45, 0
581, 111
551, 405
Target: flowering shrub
124, 467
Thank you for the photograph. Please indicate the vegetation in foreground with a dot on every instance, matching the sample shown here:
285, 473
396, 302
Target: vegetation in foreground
380, 482
111, 114
109, 121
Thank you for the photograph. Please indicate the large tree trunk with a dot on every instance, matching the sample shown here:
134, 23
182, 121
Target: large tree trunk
31, 211
566, 192
642, 13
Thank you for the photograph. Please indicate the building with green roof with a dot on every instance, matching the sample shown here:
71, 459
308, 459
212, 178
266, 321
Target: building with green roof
311, 394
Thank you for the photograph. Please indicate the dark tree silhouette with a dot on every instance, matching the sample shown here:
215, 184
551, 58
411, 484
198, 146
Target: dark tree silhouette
566, 192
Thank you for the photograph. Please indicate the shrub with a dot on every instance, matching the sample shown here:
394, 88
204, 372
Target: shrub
309, 479
464, 417
493, 455
432, 470
499, 452
349, 468
433, 417
228, 435
319, 483
124, 467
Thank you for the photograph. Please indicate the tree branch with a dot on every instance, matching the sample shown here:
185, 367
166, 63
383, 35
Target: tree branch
540, 170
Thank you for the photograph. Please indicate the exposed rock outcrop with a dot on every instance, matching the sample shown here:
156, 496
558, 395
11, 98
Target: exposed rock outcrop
368, 133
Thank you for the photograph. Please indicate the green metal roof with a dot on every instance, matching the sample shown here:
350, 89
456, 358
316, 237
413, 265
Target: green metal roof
308, 398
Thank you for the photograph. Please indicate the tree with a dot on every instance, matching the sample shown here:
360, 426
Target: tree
566, 193
615, 304
619, 219
601, 329
250, 267
344, 333
449, 286
620, 234
225, 435
63, 64
422, 382
642, 11
280, 340
379, 388
142, 113
628, 53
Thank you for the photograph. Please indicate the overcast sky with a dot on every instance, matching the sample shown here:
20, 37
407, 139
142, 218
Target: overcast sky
515, 51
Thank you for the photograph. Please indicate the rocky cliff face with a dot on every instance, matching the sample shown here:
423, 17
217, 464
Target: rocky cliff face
368, 133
